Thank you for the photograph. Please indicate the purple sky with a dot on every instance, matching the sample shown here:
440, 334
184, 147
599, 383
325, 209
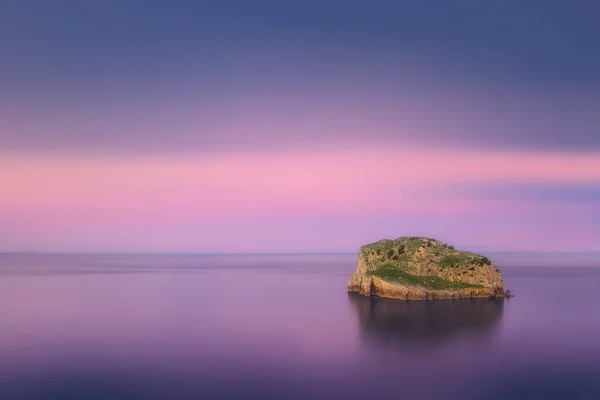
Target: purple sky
316, 126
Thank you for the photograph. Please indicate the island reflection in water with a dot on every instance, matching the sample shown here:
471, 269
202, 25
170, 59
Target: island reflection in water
386, 321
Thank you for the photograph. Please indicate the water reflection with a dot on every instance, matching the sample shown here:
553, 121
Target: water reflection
425, 322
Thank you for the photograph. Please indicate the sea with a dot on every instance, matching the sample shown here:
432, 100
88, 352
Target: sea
283, 326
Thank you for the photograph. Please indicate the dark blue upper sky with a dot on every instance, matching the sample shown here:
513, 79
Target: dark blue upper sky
527, 72
552, 41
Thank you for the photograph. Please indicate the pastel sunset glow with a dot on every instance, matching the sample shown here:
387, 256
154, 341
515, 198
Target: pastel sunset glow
230, 130
181, 202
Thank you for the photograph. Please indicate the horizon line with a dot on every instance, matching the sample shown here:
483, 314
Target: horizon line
256, 253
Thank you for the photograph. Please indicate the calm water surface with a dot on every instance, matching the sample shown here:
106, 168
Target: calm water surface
275, 327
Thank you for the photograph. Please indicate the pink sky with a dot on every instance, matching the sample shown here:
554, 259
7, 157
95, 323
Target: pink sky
326, 200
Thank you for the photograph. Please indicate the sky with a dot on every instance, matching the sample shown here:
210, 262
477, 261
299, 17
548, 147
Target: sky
312, 126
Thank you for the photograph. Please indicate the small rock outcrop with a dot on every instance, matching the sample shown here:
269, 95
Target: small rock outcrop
419, 268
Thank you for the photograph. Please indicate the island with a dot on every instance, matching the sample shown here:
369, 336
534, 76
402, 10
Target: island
420, 268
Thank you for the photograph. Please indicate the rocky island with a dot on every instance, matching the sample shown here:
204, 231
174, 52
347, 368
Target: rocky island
419, 268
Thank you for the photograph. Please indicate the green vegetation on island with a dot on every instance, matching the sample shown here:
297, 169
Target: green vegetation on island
392, 274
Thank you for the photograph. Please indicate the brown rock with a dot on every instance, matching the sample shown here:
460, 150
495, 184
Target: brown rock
417, 268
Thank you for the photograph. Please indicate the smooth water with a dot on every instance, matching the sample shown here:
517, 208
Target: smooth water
277, 327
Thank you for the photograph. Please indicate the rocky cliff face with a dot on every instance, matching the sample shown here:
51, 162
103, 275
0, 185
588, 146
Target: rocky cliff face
419, 268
